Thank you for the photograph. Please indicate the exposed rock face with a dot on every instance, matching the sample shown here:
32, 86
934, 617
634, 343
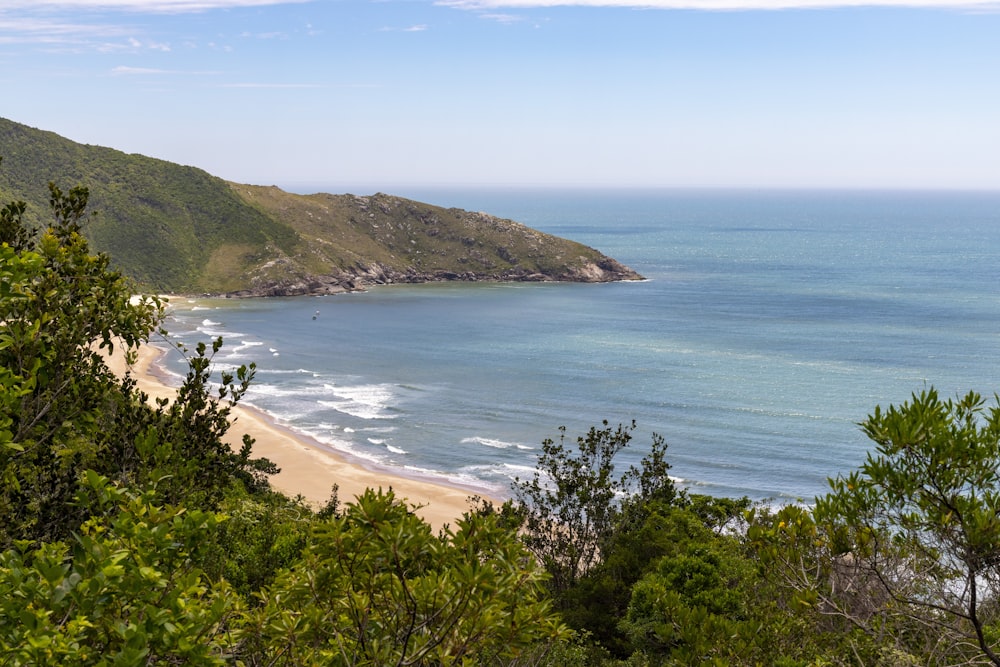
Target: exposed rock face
375, 274
393, 240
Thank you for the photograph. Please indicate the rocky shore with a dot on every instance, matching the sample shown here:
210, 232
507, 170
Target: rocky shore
605, 270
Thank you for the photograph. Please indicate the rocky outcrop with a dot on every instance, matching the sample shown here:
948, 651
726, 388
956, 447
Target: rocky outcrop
605, 271
391, 240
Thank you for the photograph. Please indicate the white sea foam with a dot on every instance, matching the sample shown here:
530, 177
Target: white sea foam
491, 442
305, 392
396, 450
241, 349
327, 440
368, 401
283, 371
221, 367
376, 441
288, 418
213, 332
514, 470
379, 429
477, 480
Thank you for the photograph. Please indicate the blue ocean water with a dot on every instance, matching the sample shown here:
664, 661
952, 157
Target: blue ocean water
771, 323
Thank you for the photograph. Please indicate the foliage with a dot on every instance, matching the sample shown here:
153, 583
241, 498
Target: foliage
262, 535
571, 507
170, 548
919, 523
113, 566
184, 437
124, 591
694, 605
376, 587
61, 308
61, 408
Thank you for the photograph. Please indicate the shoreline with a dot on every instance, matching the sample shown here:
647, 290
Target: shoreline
307, 468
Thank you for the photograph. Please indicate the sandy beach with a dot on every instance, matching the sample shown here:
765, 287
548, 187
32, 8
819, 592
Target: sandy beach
308, 469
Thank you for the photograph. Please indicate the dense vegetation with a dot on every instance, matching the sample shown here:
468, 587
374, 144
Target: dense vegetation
130, 534
178, 229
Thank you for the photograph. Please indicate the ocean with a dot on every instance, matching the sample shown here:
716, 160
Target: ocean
771, 323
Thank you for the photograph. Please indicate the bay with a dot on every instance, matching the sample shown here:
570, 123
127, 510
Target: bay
771, 323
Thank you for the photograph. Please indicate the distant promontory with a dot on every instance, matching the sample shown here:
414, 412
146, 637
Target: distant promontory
178, 229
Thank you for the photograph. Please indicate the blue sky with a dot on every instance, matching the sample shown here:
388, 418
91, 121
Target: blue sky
360, 94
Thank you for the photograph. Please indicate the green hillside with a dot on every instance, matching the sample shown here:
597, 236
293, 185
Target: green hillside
179, 229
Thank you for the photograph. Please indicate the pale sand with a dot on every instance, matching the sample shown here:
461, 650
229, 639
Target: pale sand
307, 469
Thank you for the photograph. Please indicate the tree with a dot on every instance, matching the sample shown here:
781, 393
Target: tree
572, 506
61, 307
376, 588
917, 528
125, 590
61, 408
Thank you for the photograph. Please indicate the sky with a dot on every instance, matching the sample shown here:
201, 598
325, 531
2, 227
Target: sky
354, 94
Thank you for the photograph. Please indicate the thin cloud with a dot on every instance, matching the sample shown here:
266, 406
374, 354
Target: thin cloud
413, 28
133, 45
43, 30
118, 71
124, 70
264, 35
153, 46
144, 6
722, 5
503, 18
272, 85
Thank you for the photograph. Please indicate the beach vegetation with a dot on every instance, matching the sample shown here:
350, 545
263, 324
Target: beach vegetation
569, 509
124, 589
377, 587
64, 309
916, 530
132, 533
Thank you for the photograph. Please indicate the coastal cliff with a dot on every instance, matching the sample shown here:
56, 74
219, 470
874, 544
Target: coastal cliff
178, 229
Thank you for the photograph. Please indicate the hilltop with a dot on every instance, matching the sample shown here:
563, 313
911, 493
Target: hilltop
179, 229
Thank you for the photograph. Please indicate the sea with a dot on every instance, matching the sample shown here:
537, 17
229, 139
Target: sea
770, 324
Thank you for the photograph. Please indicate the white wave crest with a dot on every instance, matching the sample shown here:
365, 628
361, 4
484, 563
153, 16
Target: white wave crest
492, 442
368, 401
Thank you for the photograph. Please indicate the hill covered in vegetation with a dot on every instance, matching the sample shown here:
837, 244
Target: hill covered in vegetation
176, 228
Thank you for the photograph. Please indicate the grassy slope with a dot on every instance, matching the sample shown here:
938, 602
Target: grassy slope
348, 232
179, 229
160, 222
